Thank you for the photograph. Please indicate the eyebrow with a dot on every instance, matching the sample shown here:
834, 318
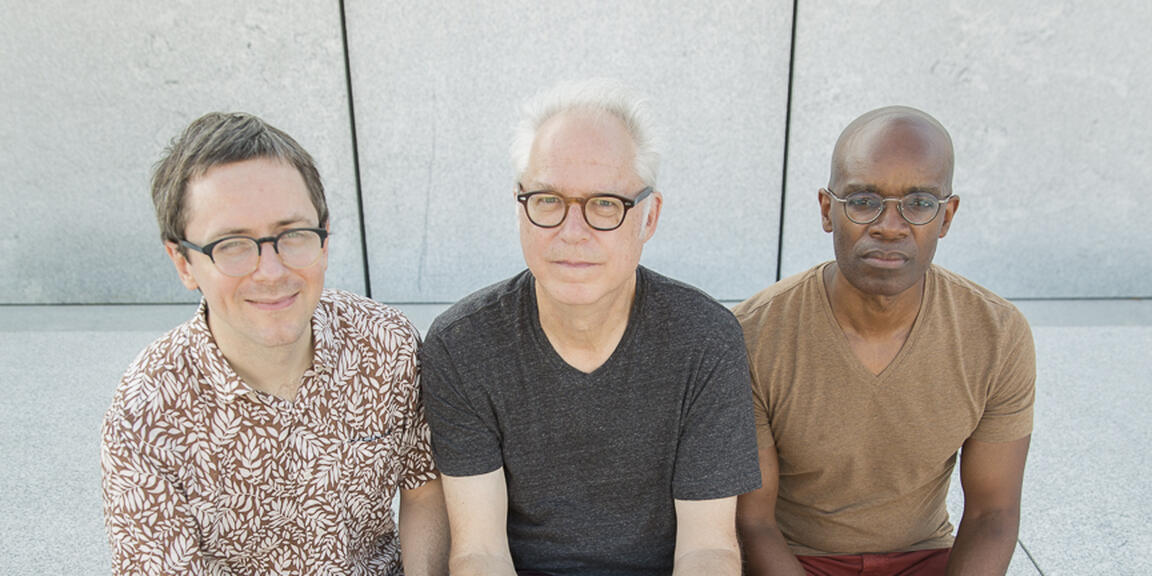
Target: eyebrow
933, 190
856, 188
552, 190
294, 221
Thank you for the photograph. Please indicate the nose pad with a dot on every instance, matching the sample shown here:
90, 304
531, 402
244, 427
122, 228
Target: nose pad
890, 220
574, 223
269, 263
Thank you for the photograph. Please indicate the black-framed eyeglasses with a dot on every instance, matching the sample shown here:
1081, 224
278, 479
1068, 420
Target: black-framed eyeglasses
602, 212
917, 208
239, 256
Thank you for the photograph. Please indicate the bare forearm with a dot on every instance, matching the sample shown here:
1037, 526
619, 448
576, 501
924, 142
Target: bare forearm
424, 548
984, 545
481, 565
424, 531
477, 514
708, 562
766, 552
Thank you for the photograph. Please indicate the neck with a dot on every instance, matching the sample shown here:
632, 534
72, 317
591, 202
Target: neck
870, 315
586, 335
272, 370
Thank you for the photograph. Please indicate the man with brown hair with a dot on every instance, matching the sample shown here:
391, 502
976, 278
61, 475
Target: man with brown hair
871, 372
269, 433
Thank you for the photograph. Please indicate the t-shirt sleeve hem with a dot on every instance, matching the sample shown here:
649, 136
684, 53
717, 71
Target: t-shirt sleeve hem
713, 492
1018, 427
465, 470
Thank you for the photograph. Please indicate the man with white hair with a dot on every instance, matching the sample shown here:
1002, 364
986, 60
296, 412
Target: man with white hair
589, 415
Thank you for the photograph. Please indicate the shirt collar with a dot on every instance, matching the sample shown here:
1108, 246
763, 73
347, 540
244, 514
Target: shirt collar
226, 382
213, 365
325, 349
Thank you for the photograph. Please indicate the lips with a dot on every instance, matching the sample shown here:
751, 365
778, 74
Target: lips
573, 263
274, 303
885, 259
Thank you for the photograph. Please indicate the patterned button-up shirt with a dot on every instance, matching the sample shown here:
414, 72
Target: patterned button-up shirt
204, 475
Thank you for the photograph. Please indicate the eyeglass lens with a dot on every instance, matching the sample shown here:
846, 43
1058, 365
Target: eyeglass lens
917, 207
241, 256
600, 212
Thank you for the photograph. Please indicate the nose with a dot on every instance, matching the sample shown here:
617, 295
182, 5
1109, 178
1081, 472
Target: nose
574, 228
269, 264
890, 224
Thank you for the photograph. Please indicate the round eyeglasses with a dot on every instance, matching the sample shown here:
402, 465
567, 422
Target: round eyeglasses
917, 208
239, 256
602, 212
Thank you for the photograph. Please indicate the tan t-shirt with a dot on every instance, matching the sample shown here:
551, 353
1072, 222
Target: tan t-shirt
865, 460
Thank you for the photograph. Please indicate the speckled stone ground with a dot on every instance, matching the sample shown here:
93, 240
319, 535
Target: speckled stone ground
1086, 501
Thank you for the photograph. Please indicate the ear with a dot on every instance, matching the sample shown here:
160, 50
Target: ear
181, 264
825, 209
949, 212
657, 200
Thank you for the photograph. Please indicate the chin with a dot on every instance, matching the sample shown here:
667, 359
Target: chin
283, 333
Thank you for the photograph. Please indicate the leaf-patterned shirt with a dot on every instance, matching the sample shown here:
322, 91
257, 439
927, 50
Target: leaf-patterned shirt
204, 475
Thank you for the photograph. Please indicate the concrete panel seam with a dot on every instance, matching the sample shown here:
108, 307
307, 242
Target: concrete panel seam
1030, 558
355, 151
787, 132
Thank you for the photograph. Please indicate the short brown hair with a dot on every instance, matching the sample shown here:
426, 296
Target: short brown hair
221, 138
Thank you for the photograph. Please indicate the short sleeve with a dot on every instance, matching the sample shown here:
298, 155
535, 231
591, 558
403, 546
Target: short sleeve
149, 525
1011, 395
764, 438
465, 438
415, 445
716, 456
760, 404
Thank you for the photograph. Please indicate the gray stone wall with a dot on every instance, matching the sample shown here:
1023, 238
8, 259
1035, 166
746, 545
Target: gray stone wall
1046, 102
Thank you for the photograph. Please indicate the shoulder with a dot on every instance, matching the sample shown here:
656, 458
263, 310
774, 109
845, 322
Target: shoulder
484, 310
364, 317
160, 380
675, 310
661, 290
976, 304
778, 299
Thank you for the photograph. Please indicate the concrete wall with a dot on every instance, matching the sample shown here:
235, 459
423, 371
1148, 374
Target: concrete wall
93, 92
1046, 102
438, 89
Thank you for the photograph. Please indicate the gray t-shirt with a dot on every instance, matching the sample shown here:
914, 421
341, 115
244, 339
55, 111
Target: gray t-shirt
593, 461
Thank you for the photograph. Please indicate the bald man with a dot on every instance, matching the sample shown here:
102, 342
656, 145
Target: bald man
871, 373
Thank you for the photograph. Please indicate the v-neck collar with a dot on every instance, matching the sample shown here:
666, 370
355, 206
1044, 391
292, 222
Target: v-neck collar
554, 358
845, 348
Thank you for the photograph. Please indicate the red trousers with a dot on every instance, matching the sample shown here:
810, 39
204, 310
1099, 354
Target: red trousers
918, 563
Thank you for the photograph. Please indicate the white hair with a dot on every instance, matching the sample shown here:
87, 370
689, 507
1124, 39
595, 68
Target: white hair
598, 96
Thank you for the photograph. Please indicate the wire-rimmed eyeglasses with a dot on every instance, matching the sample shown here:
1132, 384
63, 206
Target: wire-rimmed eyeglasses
917, 208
